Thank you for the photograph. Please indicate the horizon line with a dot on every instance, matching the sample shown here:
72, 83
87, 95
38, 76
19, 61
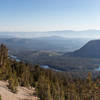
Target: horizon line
56, 30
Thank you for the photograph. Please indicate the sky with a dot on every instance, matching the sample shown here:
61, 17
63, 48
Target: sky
49, 15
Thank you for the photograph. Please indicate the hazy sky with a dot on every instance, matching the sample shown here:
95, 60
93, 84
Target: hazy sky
48, 15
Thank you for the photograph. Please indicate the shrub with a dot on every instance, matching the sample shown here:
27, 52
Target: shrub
13, 83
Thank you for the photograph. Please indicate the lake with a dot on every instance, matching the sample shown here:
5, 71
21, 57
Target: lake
15, 58
48, 67
97, 69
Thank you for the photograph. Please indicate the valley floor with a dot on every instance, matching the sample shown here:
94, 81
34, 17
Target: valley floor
22, 94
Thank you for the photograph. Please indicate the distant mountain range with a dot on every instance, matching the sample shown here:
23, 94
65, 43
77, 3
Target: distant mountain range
64, 33
89, 50
60, 41
52, 43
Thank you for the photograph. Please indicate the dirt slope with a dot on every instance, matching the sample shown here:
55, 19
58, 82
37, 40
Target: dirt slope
22, 94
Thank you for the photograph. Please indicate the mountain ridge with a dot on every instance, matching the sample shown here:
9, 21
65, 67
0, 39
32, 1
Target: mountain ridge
62, 33
89, 50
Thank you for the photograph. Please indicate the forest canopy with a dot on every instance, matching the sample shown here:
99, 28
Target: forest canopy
49, 85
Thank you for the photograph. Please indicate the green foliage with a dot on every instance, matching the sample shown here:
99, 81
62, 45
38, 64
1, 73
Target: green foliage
0, 97
49, 85
13, 83
3, 55
43, 88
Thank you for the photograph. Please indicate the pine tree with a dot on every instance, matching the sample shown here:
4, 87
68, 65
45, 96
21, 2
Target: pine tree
0, 97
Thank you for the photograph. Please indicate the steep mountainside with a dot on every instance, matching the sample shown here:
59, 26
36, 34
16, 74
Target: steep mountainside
90, 50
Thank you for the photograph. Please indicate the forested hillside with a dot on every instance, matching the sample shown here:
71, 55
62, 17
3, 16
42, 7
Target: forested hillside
89, 50
49, 85
50, 43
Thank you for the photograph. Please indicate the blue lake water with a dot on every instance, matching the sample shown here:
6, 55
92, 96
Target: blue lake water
48, 67
45, 66
97, 69
15, 58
